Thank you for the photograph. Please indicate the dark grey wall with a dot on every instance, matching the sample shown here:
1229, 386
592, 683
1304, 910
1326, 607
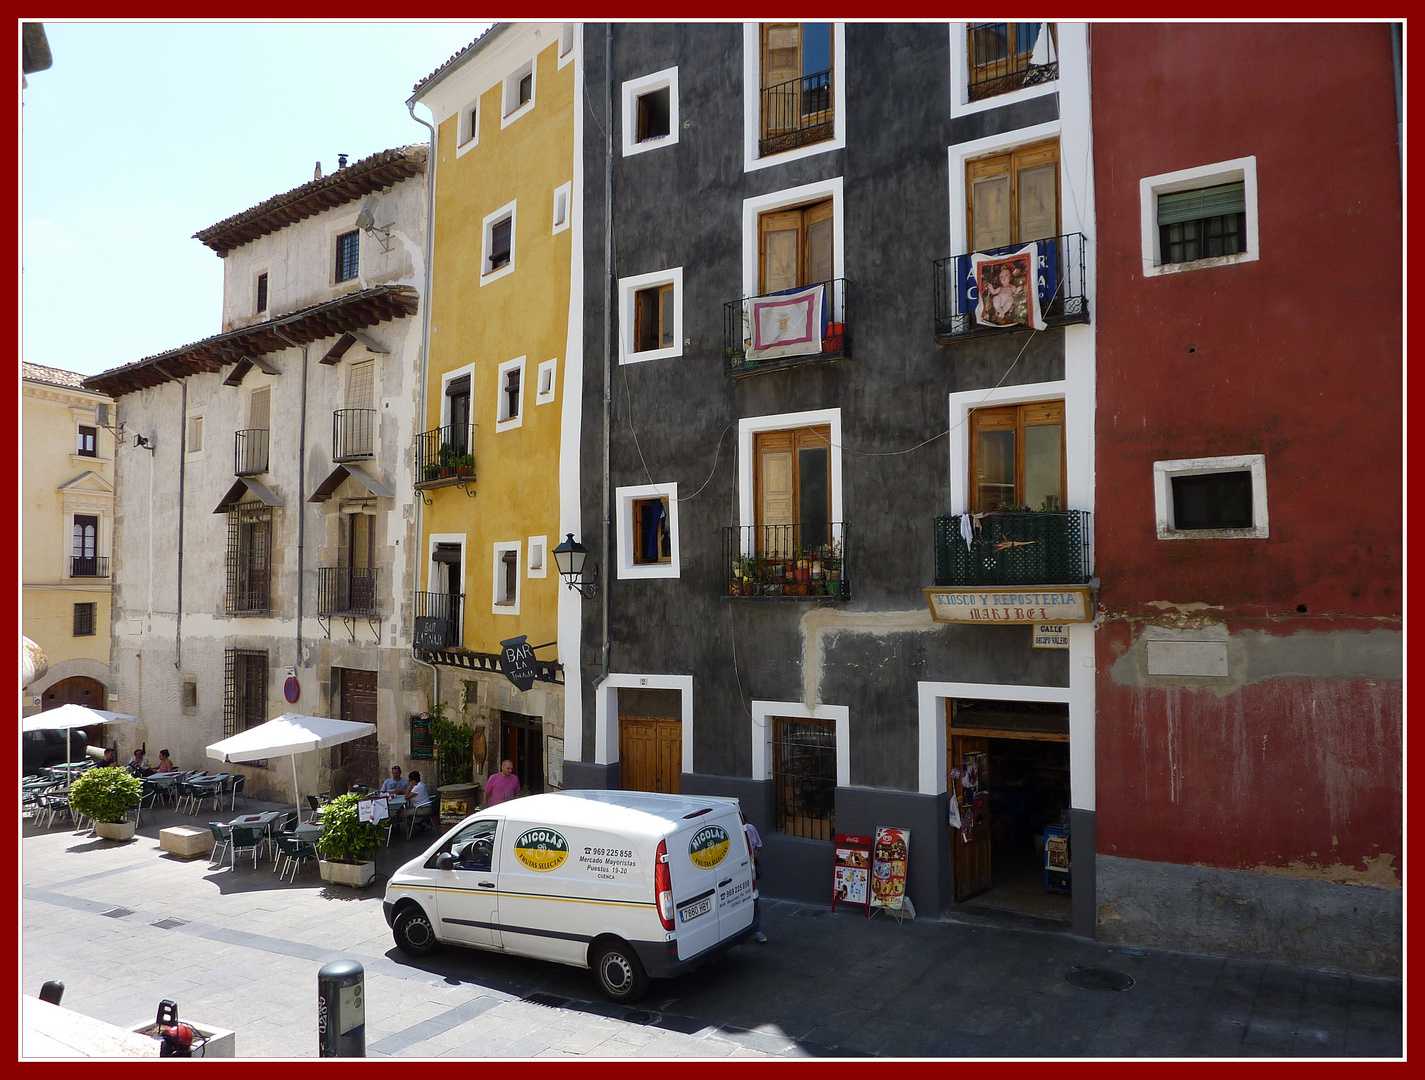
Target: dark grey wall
676, 420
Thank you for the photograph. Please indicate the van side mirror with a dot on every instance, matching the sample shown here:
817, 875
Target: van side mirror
445, 861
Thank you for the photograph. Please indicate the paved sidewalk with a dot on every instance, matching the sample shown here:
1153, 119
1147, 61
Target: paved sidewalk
125, 926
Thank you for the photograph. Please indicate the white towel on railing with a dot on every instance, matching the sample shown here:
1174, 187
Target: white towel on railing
967, 530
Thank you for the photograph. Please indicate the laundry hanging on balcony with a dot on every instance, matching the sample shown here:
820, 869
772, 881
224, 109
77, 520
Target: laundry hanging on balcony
790, 323
1006, 288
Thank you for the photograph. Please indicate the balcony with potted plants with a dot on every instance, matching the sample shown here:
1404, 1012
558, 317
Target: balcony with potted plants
444, 458
786, 562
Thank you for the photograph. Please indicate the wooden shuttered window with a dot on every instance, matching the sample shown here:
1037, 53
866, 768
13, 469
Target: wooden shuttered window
1017, 457
1013, 197
793, 490
795, 247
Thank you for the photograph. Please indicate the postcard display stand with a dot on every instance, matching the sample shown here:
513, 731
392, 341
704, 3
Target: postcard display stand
889, 858
851, 872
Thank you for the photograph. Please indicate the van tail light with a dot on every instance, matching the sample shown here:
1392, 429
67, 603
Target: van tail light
663, 886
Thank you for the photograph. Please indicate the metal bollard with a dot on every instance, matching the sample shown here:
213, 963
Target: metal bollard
52, 991
341, 1009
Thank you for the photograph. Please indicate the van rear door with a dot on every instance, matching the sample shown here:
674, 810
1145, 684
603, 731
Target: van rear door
697, 859
734, 884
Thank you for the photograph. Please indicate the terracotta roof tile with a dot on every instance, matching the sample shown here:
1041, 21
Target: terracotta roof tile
418, 87
53, 375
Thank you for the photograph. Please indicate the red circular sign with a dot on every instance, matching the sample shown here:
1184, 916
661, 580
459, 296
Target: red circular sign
289, 689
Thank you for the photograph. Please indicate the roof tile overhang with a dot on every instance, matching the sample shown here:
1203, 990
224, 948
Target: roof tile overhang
366, 176
481, 42
354, 311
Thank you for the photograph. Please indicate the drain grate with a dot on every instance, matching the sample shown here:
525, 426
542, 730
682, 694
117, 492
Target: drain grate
554, 1001
1100, 978
169, 924
116, 913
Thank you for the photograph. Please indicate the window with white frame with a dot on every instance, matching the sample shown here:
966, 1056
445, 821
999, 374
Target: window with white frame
1200, 217
518, 92
467, 127
497, 253
566, 40
506, 578
509, 407
561, 208
647, 530
538, 564
195, 434
796, 237
998, 64
650, 112
544, 387
789, 483
651, 316
1216, 498
794, 91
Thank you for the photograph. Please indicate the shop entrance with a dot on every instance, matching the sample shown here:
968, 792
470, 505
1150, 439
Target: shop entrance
650, 753
1007, 765
522, 741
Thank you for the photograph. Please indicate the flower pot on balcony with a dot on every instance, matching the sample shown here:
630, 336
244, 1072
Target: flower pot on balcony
447, 470
835, 339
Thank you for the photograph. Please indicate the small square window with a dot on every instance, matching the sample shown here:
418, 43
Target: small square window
498, 251
510, 395
518, 92
262, 293
538, 567
544, 388
652, 542
566, 39
653, 115
651, 316
646, 527
650, 112
1222, 498
84, 618
561, 208
506, 578
469, 125
88, 441
1199, 218
347, 255
509, 408
190, 695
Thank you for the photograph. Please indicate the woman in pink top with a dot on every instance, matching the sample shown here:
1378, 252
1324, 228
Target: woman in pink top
504, 785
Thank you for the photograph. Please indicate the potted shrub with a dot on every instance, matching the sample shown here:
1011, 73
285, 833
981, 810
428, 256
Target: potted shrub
348, 845
445, 458
464, 464
105, 796
431, 471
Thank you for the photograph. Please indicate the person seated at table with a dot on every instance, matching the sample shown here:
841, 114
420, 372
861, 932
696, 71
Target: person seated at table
111, 757
418, 801
138, 764
165, 763
393, 784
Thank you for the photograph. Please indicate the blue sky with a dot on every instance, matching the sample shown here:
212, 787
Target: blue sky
143, 133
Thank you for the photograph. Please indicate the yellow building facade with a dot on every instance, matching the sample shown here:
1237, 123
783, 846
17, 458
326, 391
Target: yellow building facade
67, 511
488, 461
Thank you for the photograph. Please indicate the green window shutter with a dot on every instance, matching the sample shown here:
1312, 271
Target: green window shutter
1203, 203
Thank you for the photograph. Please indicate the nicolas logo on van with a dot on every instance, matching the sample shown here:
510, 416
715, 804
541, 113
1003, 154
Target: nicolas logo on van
709, 846
541, 849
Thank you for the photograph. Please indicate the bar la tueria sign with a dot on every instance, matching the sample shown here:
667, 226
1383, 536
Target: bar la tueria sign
1045, 604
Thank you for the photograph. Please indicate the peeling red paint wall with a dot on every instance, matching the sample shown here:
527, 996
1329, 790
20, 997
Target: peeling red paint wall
1296, 356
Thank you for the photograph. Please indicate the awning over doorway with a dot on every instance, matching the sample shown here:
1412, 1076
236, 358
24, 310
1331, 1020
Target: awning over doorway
357, 473
243, 485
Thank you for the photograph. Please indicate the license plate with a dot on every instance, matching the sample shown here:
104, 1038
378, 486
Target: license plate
692, 911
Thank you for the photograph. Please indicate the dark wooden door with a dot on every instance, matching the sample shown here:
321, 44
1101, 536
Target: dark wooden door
650, 751
75, 690
970, 858
358, 703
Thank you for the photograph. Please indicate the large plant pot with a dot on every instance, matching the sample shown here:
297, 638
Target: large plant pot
341, 873
115, 830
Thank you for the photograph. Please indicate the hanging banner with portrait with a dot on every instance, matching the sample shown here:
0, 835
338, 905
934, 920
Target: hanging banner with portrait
1007, 288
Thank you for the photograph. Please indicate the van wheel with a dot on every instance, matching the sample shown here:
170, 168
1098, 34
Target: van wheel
415, 936
620, 974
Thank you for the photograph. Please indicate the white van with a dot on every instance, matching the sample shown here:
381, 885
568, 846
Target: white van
632, 884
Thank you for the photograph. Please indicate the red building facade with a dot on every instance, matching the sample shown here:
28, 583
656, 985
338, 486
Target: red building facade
1248, 457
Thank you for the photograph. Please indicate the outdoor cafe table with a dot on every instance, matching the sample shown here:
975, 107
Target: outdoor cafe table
263, 821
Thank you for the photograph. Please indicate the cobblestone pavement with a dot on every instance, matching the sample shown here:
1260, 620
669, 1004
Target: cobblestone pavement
124, 926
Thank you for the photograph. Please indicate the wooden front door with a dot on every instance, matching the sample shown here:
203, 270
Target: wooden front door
358, 703
75, 690
650, 751
970, 859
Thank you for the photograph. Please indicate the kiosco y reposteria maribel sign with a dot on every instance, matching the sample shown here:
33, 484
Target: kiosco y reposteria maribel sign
1060, 604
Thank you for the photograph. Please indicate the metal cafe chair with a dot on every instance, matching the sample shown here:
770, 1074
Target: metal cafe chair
222, 835
245, 838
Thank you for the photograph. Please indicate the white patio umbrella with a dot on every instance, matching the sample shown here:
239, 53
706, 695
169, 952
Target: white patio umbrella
72, 716
290, 734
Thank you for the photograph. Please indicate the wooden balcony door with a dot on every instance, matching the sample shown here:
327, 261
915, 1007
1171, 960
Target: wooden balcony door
650, 751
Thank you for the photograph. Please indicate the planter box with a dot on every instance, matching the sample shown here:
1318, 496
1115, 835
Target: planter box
221, 1043
115, 830
353, 874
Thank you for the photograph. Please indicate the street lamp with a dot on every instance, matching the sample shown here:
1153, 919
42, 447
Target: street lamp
569, 557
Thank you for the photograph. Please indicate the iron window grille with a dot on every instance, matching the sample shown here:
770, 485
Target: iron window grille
797, 112
346, 590
249, 560
250, 452
84, 619
89, 566
441, 454
244, 691
348, 247
261, 293
439, 620
804, 777
797, 562
835, 331
1043, 547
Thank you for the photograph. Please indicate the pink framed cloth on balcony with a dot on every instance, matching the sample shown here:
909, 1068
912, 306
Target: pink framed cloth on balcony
786, 324
1006, 286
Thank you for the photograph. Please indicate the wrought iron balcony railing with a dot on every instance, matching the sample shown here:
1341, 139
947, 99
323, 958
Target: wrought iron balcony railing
1062, 295
796, 113
250, 452
999, 65
88, 566
444, 455
353, 434
1045, 547
439, 621
346, 590
799, 562
756, 333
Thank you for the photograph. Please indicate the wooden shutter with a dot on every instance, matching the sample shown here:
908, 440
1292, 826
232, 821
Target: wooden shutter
1017, 457
819, 264
1013, 198
779, 247
784, 495
361, 385
781, 64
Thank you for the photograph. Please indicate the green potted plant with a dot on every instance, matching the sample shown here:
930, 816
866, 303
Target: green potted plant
105, 796
348, 845
464, 464
445, 458
431, 471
